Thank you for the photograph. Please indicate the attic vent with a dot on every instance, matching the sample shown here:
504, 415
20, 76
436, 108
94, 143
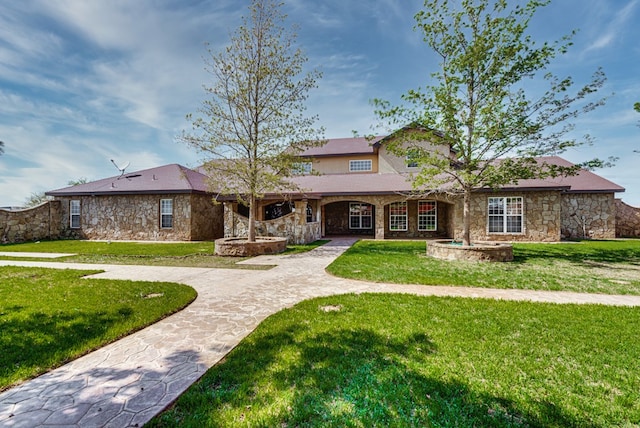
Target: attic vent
113, 185
154, 177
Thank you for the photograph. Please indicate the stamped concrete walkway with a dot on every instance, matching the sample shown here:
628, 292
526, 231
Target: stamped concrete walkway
128, 382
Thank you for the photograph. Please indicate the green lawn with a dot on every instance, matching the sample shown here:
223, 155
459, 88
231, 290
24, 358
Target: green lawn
609, 267
50, 316
408, 361
191, 254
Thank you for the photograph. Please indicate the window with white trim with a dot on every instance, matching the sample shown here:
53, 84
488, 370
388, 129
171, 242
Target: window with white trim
398, 216
360, 165
427, 215
505, 215
412, 158
302, 168
360, 216
166, 213
74, 214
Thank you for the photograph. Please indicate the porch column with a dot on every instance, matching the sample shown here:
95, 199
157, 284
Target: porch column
379, 221
300, 221
229, 226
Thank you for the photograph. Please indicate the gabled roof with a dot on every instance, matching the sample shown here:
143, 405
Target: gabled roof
171, 178
344, 146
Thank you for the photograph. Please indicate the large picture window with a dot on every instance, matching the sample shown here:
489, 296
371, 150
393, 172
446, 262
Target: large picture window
360, 165
398, 216
427, 215
74, 214
360, 216
166, 213
505, 215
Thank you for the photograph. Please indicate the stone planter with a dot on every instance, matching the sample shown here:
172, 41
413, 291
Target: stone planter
240, 247
478, 251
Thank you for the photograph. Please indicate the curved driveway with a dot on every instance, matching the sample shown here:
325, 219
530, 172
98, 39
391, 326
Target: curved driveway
128, 382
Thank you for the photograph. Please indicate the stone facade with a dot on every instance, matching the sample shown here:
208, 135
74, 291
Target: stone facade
542, 213
32, 224
137, 217
588, 215
627, 220
292, 226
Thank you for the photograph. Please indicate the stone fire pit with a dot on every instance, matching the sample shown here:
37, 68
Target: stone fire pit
478, 251
240, 247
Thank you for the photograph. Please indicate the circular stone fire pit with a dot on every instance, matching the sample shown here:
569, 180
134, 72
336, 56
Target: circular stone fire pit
240, 247
477, 251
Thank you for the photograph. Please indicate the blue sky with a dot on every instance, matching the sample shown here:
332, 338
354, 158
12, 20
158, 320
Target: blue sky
83, 82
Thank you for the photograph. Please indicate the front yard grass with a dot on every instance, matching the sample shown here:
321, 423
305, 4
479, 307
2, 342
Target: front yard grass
49, 316
187, 254
608, 267
409, 361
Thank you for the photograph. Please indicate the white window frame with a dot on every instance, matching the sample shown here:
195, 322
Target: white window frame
360, 165
428, 221
166, 212
410, 159
74, 214
303, 168
501, 214
398, 216
360, 211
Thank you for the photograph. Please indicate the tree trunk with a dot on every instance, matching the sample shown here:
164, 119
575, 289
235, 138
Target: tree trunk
466, 218
252, 219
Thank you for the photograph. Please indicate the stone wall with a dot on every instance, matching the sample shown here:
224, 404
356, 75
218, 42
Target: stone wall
588, 215
542, 213
627, 220
31, 224
292, 226
137, 217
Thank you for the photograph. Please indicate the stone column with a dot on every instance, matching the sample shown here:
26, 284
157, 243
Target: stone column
379, 223
300, 222
229, 226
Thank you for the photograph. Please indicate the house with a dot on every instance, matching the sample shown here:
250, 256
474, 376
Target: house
360, 189
170, 203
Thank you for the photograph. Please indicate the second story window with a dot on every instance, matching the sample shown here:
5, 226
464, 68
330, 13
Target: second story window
302, 168
360, 165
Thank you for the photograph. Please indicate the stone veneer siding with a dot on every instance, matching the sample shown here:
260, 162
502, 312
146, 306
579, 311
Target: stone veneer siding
292, 226
627, 220
31, 224
137, 217
596, 210
542, 213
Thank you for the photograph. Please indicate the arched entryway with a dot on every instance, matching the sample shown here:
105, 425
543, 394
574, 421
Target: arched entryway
349, 217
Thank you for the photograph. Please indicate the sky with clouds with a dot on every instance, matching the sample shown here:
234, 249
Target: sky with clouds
83, 82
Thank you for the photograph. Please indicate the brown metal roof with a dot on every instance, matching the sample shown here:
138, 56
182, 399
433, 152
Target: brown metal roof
176, 178
171, 178
344, 146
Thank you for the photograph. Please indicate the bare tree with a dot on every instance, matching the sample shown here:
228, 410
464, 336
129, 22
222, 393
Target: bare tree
252, 125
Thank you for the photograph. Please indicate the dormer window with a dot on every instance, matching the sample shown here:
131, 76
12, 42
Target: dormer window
360, 165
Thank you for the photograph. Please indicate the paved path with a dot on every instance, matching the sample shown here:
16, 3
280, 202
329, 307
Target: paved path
128, 382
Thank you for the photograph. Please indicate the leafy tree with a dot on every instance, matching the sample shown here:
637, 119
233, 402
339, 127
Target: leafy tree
81, 180
636, 107
477, 106
252, 124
